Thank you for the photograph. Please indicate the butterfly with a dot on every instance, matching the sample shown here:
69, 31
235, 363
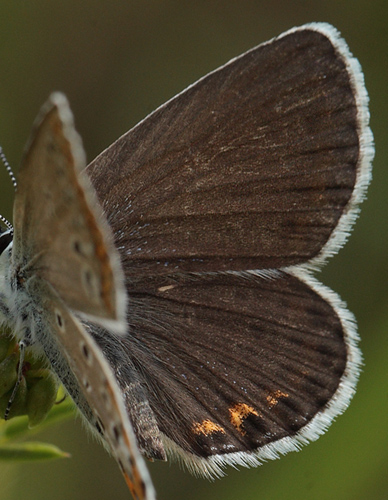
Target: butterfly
169, 283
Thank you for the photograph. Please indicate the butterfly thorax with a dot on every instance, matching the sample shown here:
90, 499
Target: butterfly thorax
16, 306
23, 316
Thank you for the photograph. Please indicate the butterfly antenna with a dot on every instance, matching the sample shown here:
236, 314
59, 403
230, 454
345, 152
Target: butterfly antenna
13, 180
8, 167
5, 222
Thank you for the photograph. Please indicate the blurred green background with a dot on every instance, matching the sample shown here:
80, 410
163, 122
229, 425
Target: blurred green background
117, 61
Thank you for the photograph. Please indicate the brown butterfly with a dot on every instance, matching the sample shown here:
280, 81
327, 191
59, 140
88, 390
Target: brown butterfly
169, 283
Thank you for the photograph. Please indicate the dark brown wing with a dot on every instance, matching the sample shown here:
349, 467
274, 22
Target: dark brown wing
240, 363
252, 167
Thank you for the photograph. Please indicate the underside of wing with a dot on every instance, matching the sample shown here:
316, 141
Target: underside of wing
60, 232
89, 379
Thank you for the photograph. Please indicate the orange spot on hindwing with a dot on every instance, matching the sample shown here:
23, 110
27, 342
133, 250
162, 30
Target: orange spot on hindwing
238, 413
207, 427
273, 397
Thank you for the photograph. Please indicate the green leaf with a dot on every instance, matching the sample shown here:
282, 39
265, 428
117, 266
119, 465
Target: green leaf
41, 397
31, 451
18, 428
33, 404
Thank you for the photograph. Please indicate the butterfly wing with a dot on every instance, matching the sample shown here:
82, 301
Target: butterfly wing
64, 259
91, 382
252, 167
259, 165
60, 231
241, 368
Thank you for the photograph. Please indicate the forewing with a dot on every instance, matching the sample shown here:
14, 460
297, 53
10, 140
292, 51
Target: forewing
252, 167
247, 367
95, 380
60, 232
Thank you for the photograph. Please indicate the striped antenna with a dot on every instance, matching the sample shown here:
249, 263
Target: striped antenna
5, 222
13, 180
8, 167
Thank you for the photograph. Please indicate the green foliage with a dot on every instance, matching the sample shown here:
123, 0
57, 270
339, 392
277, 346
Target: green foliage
32, 404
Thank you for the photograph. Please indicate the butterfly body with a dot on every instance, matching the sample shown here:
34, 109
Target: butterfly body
169, 283
16, 303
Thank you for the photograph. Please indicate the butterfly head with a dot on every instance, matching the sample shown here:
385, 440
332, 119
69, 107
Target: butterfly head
6, 242
6, 239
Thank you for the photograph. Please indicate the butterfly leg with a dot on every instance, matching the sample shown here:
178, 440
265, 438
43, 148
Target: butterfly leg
22, 349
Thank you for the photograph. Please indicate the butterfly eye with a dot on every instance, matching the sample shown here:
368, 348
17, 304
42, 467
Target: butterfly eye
5, 240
